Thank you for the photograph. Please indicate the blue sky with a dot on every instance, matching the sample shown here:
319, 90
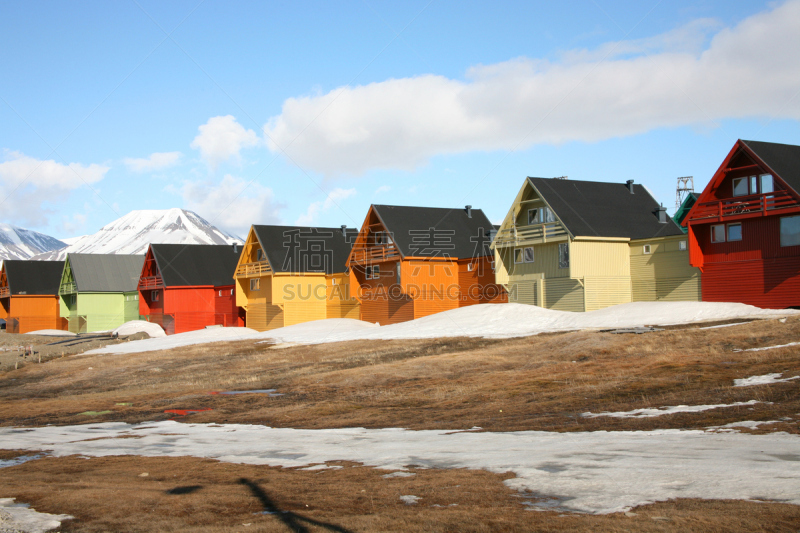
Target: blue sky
307, 113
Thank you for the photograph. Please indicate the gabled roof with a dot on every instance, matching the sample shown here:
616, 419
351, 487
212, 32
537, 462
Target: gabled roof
33, 277
106, 272
599, 209
782, 159
302, 249
436, 231
684, 208
182, 265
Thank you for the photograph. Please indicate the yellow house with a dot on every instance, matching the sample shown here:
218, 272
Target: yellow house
288, 275
583, 245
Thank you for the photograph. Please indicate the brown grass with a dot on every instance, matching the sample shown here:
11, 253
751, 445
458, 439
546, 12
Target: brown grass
201, 495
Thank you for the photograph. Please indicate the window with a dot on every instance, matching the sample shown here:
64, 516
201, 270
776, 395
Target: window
260, 255
382, 237
646, 249
518, 255
368, 272
255, 284
734, 232
470, 267
231, 292
527, 254
540, 215
718, 233
563, 255
740, 187
766, 183
682, 246
753, 184
333, 281
154, 296
397, 272
790, 231
376, 272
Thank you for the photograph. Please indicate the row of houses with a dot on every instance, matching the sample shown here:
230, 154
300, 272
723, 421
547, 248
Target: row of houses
564, 244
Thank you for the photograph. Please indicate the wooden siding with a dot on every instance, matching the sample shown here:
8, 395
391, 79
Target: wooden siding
263, 317
501, 273
31, 313
526, 292
433, 285
476, 282
601, 292
664, 274
599, 259
774, 284
564, 294
545, 263
341, 303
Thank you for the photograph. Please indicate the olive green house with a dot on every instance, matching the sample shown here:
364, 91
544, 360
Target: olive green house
582, 245
99, 292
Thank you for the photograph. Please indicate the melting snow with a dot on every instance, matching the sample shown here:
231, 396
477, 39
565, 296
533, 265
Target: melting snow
766, 379
659, 411
769, 347
180, 339
410, 499
138, 326
486, 320
596, 472
19, 517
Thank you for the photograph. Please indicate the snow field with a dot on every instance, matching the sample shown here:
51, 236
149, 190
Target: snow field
484, 320
594, 472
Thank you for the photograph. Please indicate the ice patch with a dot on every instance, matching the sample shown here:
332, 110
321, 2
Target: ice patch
766, 379
660, 411
593, 472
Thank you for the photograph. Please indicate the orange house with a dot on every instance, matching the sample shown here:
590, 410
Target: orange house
29, 295
410, 262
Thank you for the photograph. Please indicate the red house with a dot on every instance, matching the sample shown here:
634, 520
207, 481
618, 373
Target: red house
185, 287
744, 229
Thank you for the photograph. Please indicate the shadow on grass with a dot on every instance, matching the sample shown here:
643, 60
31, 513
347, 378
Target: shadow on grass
290, 519
184, 490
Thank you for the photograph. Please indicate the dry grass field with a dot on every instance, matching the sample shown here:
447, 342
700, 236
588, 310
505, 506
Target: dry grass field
543, 382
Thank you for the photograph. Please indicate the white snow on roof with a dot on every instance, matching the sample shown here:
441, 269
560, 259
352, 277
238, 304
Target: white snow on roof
766, 379
594, 472
660, 411
485, 320
18, 517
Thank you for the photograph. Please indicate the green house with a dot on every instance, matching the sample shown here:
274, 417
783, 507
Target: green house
99, 292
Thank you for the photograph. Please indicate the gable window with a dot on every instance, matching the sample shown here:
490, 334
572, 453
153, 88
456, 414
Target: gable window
647, 249
563, 255
740, 187
260, 255
255, 284
382, 237
540, 215
682, 246
790, 231
154, 296
767, 184
735, 232
718, 233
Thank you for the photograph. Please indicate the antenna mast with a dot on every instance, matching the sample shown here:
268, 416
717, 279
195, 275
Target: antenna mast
685, 186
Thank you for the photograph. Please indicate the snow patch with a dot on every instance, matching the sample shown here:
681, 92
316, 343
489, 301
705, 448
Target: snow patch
660, 411
766, 379
593, 472
19, 517
769, 347
410, 499
189, 338
52, 333
140, 326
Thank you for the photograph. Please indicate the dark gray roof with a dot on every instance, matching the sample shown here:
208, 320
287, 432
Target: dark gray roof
106, 272
783, 159
304, 249
436, 231
33, 277
184, 265
599, 209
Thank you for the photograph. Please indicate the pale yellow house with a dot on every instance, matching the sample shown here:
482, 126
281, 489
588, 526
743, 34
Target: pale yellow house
288, 275
582, 245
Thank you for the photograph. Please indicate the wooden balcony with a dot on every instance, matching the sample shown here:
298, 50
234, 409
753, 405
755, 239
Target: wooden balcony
534, 234
5, 292
375, 254
150, 282
251, 270
67, 288
742, 207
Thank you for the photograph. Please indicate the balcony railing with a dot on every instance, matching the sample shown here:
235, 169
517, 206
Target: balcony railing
67, 288
150, 282
248, 270
5, 292
743, 205
550, 231
375, 254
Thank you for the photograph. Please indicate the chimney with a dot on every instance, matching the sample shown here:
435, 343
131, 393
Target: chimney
492, 233
629, 184
661, 213
468, 209
235, 248
344, 229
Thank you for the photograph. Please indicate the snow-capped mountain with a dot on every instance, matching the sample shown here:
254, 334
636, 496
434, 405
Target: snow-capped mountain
19, 243
132, 233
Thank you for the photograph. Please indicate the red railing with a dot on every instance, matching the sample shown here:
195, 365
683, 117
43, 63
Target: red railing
743, 205
375, 254
5, 292
150, 282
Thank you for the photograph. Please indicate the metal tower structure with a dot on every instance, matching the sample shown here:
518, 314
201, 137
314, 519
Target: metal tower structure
685, 186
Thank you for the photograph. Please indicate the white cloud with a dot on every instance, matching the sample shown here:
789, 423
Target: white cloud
333, 199
222, 138
156, 161
232, 204
28, 185
680, 78
382, 189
